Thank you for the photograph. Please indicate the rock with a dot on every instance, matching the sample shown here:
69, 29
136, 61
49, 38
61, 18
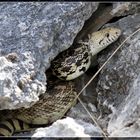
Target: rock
118, 87
67, 127
79, 114
125, 121
32, 34
107, 12
124, 8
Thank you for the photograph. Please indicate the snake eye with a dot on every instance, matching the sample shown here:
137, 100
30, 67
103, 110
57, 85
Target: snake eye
107, 35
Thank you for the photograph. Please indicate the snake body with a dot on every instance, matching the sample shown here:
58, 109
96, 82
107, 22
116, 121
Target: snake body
52, 105
75, 61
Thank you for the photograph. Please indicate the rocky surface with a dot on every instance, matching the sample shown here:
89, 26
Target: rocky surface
126, 120
125, 8
61, 128
118, 85
32, 34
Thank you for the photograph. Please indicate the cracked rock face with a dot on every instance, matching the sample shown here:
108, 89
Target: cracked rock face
127, 123
118, 85
32, 34
125, 8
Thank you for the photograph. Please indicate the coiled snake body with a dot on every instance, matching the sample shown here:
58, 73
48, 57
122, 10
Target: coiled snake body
52, 105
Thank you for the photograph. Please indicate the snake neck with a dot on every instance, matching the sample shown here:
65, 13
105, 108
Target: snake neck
95, 50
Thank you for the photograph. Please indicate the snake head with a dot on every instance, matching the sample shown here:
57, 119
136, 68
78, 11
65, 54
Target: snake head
101, 39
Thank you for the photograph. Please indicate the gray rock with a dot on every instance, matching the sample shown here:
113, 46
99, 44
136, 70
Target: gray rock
32, 34
125, 8
125, 121
118, 87
67, 127
80, 115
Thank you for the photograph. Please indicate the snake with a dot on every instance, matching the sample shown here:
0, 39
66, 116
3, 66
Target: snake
75, 61
60, 95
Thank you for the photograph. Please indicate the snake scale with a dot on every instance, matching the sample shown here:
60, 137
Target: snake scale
58, 99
